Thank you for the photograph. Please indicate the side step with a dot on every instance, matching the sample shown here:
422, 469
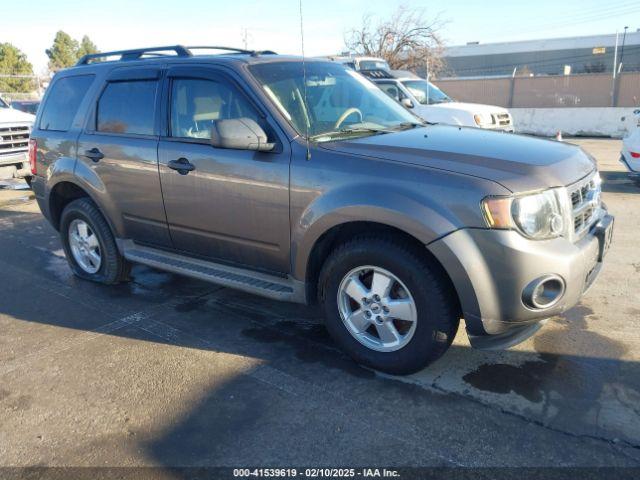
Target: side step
284, 289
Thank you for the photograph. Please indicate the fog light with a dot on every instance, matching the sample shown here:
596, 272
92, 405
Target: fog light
543, 292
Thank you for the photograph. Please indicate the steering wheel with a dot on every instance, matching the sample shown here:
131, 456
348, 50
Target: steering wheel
345, 115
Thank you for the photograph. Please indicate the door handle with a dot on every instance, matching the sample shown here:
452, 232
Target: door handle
94, 154
181, 165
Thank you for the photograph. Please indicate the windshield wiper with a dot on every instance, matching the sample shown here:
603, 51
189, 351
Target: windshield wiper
351, 131
409, 125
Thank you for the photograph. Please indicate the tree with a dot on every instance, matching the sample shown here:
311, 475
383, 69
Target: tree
14, 62
63, 52
86, 47
407, 41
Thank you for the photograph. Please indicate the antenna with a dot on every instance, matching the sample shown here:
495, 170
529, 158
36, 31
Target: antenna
304, 81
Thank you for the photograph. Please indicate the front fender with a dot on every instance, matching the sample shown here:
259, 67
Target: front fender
356, 204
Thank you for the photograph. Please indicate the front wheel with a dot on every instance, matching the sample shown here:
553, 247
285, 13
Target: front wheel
386, 305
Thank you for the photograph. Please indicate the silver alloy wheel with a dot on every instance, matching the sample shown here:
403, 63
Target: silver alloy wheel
377, 309
85, 246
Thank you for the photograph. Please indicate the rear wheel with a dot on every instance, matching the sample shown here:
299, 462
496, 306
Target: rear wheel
386, 305
89, 244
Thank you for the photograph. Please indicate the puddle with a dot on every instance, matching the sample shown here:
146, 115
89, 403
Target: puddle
14, 185
523, 380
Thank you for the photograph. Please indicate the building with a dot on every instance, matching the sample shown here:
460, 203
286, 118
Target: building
554, 56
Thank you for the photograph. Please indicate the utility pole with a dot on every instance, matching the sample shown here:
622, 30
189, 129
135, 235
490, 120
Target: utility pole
615, 58
624, 38
245, 38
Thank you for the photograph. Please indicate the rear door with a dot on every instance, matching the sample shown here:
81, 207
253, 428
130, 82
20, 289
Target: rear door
120, 143
234, 205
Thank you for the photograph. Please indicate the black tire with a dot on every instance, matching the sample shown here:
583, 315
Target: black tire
114, 267
436, 305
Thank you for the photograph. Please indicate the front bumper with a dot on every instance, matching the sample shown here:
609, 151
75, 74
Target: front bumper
632, 172
14, 166
490, 269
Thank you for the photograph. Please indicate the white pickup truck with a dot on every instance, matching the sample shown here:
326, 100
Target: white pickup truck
15, 127
432, 104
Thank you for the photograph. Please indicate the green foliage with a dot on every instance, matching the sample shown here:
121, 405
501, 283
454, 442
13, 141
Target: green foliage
14, 62
66, 51
86, 47
63, 52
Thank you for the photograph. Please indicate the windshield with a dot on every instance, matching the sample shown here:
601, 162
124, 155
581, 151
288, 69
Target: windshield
335, 101
373, 65
3, 104
426, 93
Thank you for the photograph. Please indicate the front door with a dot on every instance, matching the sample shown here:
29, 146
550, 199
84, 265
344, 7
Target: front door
233, 206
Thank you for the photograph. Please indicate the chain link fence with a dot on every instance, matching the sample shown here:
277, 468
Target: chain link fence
20, 87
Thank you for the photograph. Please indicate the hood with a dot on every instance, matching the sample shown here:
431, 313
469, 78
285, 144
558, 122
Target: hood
516, 162
472, 108
10, 115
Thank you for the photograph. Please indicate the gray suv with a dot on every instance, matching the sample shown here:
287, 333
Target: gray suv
302, 181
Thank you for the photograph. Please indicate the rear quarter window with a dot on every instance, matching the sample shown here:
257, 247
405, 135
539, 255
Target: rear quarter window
63, 102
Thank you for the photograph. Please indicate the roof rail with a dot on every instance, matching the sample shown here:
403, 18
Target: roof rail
179, 50
136, 53
253, 53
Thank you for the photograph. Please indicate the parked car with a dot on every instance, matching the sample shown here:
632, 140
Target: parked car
14, 143
304, 182
433, 105
630, 155
27, 106
361, 63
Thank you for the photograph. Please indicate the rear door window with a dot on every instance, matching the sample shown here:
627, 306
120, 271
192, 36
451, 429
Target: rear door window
128, 107
63, 102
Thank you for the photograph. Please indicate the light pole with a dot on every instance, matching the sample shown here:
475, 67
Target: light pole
624, 37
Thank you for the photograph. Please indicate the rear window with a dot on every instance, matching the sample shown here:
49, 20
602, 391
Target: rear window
128, 107
63, 102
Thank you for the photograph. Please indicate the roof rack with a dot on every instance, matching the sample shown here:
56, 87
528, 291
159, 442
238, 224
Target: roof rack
253, 53
136, 53
179, 50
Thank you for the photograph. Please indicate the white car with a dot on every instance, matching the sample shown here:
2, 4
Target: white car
630, 155
361, 63
432, 104
15, 127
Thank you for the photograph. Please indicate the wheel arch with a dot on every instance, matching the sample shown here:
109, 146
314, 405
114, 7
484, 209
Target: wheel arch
66, 191
343, 232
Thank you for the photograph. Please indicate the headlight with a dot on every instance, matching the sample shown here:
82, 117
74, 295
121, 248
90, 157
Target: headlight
538, 216
482, 119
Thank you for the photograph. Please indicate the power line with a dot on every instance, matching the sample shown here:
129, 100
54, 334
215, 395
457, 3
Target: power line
572, 18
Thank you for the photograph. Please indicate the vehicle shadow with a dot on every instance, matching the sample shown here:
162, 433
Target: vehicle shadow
618, 182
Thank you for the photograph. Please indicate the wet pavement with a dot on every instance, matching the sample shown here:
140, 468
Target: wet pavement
170, 371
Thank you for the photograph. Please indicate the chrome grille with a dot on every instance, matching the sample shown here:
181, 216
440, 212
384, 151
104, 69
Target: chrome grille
14, 139
502, 119
585, 204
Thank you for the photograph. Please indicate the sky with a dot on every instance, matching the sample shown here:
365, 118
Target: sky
275, 24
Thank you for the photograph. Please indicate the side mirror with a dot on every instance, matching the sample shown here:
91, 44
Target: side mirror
240, 134
407, 103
